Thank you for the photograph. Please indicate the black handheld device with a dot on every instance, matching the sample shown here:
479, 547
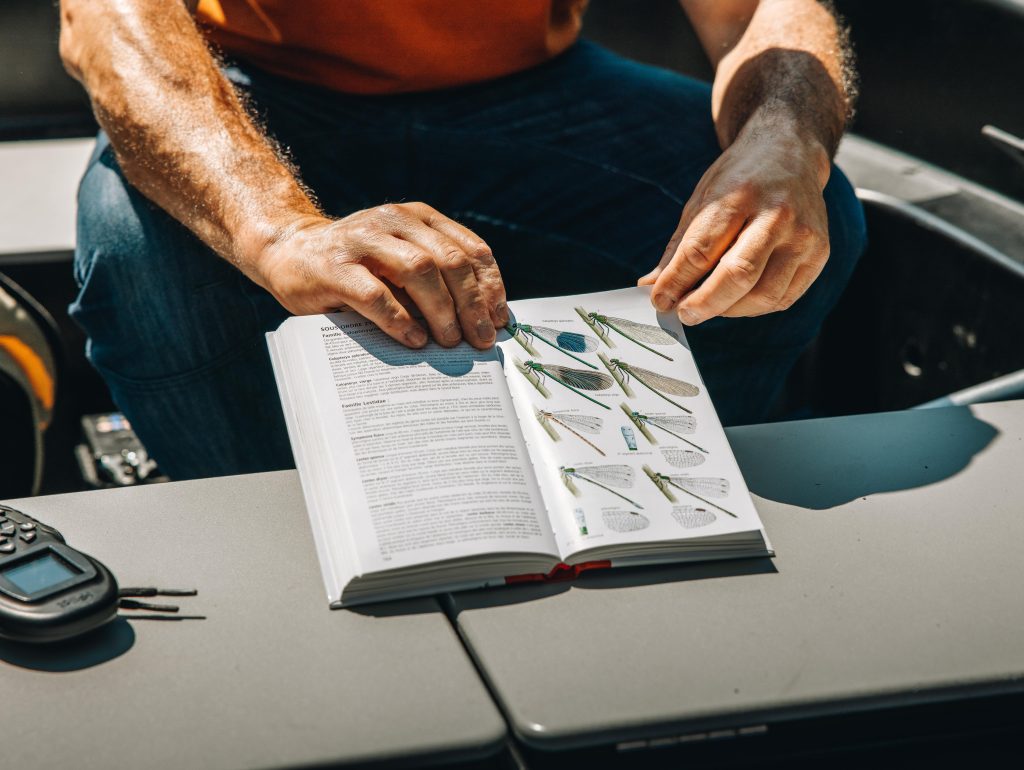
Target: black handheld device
48, 590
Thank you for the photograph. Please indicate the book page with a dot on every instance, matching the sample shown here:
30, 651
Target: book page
625, 441
423, 445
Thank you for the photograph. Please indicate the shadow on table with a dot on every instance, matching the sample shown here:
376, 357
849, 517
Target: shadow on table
105, 643
802, 464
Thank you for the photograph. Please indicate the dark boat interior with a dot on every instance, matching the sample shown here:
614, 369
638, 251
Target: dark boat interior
934, 308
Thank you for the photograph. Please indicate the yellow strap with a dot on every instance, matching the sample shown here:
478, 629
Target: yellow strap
34, 367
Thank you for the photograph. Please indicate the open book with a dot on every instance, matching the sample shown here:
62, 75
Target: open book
584, 438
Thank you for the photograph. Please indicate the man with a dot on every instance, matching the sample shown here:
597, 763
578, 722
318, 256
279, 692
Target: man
223, 196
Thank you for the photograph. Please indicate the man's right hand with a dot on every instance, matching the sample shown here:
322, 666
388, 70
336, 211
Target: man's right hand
447, 271
183, 138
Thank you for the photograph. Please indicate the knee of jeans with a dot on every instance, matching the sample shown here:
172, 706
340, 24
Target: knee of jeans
153, 300
846, 225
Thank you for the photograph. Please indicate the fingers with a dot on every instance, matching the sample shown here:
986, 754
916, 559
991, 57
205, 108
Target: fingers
790, 272
439, 276
412, 267
699, 248
684, 222
488, 277
734, 277
430, 261
371, 298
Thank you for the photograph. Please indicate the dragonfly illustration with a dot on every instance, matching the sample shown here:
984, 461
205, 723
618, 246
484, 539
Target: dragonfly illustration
682, 458
701, 488
659, 384
690, 517
565, 342
673, 425
576, 380
641, 334
625, 521
603, 476
573, 423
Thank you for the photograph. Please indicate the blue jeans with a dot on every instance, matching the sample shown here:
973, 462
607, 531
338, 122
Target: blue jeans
575, 173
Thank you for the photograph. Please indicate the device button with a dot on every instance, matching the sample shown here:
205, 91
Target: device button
6, 546
28, 526
28, 537
7, 528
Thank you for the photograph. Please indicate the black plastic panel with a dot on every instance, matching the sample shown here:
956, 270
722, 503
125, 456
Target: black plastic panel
924, 316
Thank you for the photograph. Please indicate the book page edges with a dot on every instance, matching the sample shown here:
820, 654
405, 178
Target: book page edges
316, 493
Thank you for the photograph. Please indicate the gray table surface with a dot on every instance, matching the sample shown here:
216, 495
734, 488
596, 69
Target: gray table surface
898, 579
270, 678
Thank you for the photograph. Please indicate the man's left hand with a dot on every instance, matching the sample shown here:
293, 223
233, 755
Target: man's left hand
755, 226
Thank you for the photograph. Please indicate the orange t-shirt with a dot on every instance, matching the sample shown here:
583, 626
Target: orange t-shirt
391, 46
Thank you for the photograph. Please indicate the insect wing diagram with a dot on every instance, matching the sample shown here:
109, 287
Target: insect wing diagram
603, 477
576, 380
567, 342
574, 424
636, 332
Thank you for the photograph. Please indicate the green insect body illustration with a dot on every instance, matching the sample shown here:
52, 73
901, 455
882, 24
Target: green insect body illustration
603, 476
576, 380
638, 333
565, 342
659, 384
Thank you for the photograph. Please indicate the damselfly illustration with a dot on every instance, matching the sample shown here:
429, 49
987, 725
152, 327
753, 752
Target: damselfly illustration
659, 384
641, 334
576, 380
682, 458
673, 425
699, 487
573, 423
625, 521
563, 341
603, 476
690, 517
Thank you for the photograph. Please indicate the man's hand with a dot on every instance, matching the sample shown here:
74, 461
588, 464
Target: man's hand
755, 228
359, 261
183, 138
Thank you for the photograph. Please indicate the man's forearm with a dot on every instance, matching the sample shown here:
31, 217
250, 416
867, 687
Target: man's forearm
754, 234
183, 138
788, 65
181, 134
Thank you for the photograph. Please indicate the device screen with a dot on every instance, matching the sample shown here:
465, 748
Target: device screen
40, 573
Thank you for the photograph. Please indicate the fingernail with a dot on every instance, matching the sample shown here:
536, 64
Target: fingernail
663, 302
416, 337
451, 334
648, 279
688, 317
501, 310
485, 329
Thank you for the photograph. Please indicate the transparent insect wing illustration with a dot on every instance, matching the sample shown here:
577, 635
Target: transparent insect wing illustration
581, 422
579, 378
653, 335
574, 342
663, 382
679, 424
707, 486
625, 521
682, 458
691, 517
620, 476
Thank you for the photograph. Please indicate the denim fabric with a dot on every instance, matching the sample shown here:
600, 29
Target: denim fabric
575, 173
